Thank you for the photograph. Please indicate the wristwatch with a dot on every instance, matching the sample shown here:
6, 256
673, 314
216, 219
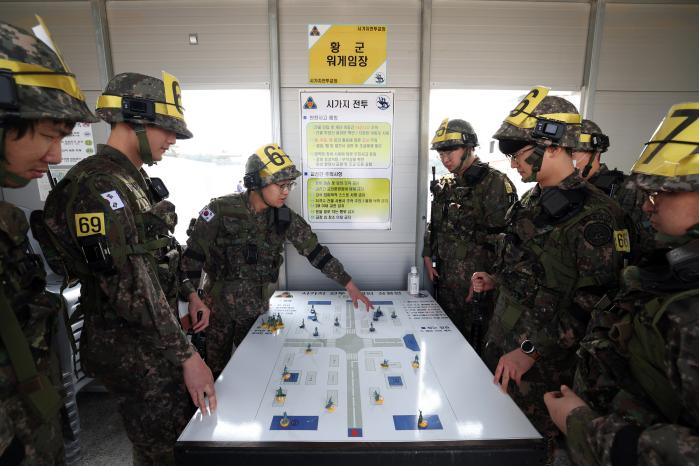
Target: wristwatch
529, 349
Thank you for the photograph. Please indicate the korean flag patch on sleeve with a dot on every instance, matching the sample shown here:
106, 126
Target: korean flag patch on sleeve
207, 214
114, 200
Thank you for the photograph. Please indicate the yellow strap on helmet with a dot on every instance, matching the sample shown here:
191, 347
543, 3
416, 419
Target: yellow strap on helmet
274, 158
673, 150
26, 74
442, 135
114, 101
585, 137
172, 107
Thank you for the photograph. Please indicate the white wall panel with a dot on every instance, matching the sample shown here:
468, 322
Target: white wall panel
233, 50
372, 267
507, 44
650, 48
401, 16
629, 119
73, 30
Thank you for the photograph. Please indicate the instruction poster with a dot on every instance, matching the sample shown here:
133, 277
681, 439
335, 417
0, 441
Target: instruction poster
347, 148
347, 54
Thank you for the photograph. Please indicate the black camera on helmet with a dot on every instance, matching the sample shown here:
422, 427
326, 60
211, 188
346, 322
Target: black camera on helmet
8, 91
549, 129
140, 109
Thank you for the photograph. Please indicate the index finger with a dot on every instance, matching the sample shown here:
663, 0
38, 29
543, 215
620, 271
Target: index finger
212, 401
505, 380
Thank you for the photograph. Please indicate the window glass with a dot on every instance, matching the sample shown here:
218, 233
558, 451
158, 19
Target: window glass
228, 125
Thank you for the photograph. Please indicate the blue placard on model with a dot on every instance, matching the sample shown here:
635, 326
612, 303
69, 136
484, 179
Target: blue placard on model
295, 423
411, 342
395, 381
320, 303
354, 432
409, 422
293, 378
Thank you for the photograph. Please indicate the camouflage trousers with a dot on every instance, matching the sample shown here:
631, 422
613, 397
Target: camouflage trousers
24, 437
234, 308
452, 289
543, 377
153, 401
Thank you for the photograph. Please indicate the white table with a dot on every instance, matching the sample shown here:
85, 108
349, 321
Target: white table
469, 418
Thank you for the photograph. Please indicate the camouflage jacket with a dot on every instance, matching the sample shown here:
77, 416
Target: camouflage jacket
615, 184
35, 310
105, 201
639, 374
555, 261
232, 243
468, 211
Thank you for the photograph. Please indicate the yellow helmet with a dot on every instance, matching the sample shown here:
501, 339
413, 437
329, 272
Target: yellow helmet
670, 160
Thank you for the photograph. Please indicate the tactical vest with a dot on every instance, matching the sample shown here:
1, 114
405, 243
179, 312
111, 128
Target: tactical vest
153, 224
27, 313
243, 250
553, 276
454, 227
609, 182
638, 332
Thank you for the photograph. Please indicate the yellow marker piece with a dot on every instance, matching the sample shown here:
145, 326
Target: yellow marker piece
621, 240
89, 224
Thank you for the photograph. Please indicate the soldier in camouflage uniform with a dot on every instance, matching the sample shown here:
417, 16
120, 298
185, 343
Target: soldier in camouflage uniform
39, 104
561, 252
238, 241
110, 225
587, 156
468, 210
639, 368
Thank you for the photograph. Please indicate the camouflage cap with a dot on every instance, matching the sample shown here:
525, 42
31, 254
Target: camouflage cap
271, 164
166, 115
670, 160
592, 139
44, 87
522, 124
454, 133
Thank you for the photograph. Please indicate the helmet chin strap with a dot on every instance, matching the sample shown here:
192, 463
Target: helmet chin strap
262, 195
7, 178
143, 145
535, 160
465, 156
588, 165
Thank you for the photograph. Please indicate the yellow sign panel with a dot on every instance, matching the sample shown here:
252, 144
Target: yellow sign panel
347, 54
349, 199
89, 224
349, 144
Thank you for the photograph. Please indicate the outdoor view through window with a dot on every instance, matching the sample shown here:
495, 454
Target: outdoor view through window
228, 125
